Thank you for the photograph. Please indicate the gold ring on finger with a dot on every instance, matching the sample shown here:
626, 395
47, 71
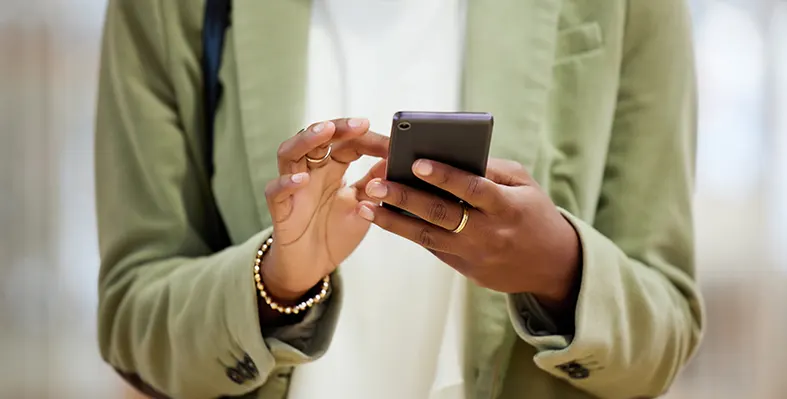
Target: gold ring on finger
316, 161
463, 222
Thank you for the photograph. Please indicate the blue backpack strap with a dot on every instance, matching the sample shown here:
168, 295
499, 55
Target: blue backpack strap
217, 20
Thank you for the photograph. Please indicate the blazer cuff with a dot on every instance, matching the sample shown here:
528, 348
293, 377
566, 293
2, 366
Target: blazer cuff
581, 356
529, 316
308, 339
288, 346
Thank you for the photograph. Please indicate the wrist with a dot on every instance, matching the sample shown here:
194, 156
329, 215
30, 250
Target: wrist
284, 291
561, 299
279, 304
561, 293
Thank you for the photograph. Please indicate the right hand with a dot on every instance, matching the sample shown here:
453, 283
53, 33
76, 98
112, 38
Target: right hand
315, 224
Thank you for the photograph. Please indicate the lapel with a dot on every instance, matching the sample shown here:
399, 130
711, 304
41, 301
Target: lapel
509, 55
271, 39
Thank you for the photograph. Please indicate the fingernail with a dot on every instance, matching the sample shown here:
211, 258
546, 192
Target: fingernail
366, 213
355, 122
423, 168
377, 190
318, 127
298, 178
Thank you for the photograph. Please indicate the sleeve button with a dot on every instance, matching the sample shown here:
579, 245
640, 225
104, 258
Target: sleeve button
579, 374
574, 370
235, 376
246, 368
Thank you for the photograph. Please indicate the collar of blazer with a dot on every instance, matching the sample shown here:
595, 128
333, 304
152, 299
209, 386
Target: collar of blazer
509, 57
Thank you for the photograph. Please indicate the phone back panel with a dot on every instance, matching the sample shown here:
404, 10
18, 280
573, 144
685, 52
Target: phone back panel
459, 139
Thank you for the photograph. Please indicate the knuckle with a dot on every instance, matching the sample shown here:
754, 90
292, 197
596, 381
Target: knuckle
284, 149
425, 237
444, 178
473, 187
402, 198
271, 188
508, 179
503, 239
437, 211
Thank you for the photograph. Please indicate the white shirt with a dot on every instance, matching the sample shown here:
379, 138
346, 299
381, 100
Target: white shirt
400, 332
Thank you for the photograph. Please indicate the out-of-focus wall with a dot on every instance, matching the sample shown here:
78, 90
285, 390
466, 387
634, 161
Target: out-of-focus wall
48, 261
741, 207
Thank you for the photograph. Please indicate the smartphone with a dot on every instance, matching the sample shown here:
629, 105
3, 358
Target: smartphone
458, 139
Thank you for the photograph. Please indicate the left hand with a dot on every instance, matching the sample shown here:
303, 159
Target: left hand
515, 239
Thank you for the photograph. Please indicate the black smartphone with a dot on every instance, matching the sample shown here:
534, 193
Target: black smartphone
459, 139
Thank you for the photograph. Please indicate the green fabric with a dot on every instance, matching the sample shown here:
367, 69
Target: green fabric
596, 99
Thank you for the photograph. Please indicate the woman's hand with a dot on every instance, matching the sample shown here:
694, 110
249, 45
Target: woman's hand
515, 239
314, 220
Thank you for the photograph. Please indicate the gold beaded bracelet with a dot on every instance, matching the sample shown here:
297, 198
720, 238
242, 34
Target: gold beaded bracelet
320, 297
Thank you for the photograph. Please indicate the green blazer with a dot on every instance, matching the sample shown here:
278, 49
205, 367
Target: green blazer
595, 97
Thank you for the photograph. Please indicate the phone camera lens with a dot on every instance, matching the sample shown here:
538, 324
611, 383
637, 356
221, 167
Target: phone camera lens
404, 126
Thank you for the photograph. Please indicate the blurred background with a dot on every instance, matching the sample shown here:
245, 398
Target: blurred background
48, 252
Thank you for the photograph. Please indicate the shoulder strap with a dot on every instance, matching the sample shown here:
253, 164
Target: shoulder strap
217, 20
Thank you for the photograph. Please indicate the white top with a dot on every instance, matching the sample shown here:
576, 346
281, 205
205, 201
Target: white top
400, 332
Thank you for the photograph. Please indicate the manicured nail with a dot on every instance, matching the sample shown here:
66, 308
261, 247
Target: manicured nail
366, 213
423, 168
377, 190
298, 178
355, 122
318, 127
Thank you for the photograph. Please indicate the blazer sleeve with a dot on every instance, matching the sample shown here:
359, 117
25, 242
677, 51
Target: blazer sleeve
639, 316
177, 318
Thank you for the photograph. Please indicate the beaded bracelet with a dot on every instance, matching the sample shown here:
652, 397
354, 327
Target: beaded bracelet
320, 297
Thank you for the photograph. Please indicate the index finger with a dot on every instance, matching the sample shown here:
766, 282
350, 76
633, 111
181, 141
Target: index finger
369, 143
479, 192
292, 151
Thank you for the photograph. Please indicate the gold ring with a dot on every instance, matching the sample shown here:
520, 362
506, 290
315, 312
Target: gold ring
463, 222
321, 160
